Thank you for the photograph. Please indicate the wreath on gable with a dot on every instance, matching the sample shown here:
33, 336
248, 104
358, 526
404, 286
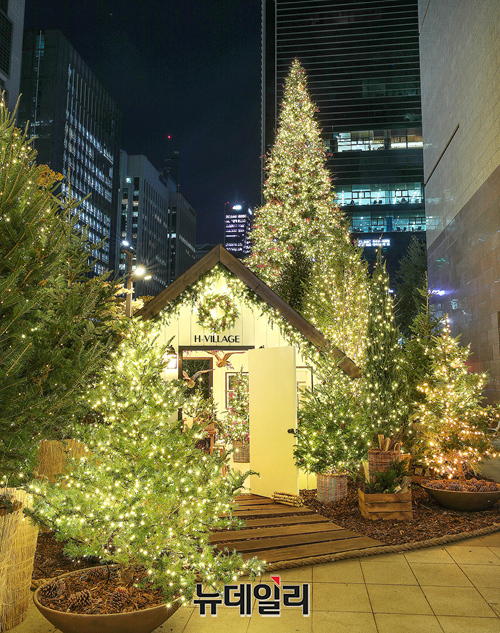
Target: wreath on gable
211, 307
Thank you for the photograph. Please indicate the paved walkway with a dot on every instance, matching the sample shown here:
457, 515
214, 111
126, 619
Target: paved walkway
450, 589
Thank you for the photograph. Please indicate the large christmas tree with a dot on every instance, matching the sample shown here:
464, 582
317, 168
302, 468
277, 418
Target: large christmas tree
54, 329
384, 376
301, 239
299, 206
144, 495
454, 429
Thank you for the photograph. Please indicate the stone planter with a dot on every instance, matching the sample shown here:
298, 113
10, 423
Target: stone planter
331, 488
463, 501
241, 454
386, 506
143, 621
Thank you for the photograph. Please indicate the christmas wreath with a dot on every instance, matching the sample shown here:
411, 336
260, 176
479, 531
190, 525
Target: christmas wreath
211, 307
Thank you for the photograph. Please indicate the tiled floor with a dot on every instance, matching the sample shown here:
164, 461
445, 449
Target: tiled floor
451, 589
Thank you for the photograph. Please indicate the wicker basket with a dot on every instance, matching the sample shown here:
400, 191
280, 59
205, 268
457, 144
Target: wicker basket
379, 461
18, 537
331, 488
241, 454
53, 455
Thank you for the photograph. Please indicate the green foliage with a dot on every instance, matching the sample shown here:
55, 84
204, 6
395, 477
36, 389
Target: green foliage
300, 208
329, 436
386, 406
411, 275
54, 321
389, 481
145, 495
454, 429
236, 422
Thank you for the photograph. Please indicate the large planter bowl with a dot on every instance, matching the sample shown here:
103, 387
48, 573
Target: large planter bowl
143, 621
463, 501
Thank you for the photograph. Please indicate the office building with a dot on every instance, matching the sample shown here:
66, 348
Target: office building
237, 225
460, 49
156, 221
76, 129
11, 48
362, 63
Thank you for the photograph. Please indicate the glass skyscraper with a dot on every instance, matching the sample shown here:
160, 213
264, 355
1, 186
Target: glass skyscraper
76, 129
362, 62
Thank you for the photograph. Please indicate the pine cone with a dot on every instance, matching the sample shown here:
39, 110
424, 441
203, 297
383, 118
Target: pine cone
484, 489
80, 599
97, 573
493, 487
118, 599
52, 590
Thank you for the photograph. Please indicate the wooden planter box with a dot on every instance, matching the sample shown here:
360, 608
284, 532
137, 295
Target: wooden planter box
386, 506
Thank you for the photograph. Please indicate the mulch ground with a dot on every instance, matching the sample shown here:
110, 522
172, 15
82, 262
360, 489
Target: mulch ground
429, 519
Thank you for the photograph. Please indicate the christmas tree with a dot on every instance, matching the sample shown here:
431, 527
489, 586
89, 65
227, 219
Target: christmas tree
384, 374
236, 424
53, 320
299, 208
301, 239
330, 438
144, 495
454, 429
411, 275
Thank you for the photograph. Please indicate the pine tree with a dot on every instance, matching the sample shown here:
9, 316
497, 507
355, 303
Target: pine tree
330, 434
236, 422
454, 429
384, 375
53, 319
144, 495
411, 275
301, 239
299, 208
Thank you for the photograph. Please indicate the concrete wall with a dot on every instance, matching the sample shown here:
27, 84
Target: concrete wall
460, 75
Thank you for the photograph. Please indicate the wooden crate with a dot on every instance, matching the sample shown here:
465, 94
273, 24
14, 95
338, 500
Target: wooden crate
386, 506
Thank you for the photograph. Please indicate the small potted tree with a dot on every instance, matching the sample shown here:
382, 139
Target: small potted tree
330, 441
454, 430
387, 493
236, 422
144, 498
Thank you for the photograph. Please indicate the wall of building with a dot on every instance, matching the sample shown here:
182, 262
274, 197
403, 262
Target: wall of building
76, 128
460, 72
182, 235
11, 47
144, 220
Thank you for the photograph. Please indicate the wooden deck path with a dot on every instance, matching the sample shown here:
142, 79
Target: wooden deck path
276, 532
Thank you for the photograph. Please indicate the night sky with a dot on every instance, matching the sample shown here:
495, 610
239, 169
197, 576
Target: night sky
188, 68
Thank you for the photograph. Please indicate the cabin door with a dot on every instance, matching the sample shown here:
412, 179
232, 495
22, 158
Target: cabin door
273, 410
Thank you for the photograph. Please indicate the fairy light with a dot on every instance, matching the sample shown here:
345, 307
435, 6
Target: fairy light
454, 429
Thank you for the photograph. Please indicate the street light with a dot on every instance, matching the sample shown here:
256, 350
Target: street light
138, 273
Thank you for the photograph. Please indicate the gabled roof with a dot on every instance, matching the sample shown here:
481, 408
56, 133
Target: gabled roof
219, 255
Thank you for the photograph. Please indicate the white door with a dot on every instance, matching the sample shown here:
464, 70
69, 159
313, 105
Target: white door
273, 410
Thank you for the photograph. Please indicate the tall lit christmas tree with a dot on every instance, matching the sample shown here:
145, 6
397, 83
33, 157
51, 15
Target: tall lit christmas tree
384, 375
299, 208
455, 431
301, 239
144, 494
54, 320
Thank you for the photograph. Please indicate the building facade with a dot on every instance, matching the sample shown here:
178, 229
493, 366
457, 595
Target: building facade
460, 49
75, 125
238, 219
362, 62
11, 48
156, 221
